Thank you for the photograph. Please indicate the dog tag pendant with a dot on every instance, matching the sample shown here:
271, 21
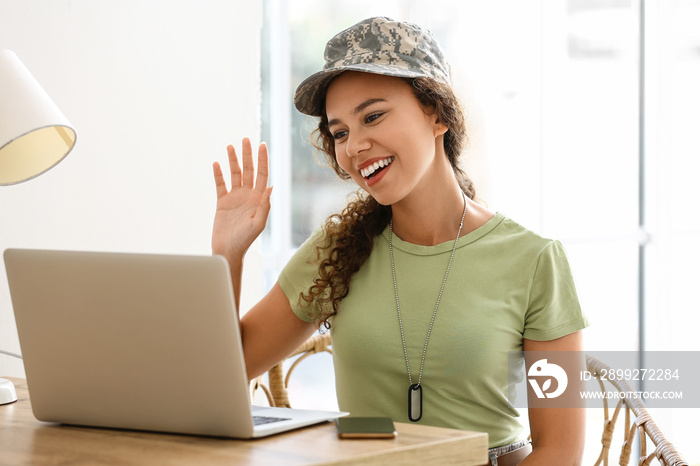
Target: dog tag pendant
415, 402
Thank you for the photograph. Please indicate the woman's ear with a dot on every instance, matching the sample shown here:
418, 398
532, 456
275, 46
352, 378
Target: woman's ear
439, 128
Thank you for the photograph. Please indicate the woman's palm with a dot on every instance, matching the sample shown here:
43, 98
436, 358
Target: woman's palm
242, 211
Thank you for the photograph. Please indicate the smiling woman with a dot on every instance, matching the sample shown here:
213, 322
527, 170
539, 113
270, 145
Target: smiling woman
387, 109
563, 138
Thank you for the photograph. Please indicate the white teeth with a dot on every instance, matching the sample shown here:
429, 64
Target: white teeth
368, 171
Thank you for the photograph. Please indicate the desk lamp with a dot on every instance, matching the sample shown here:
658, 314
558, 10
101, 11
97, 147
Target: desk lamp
34, 134
34, 137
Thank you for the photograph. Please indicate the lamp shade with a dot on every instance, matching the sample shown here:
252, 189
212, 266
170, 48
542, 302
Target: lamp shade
34, 134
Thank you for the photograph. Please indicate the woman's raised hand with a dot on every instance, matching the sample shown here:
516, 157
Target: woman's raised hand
242, 211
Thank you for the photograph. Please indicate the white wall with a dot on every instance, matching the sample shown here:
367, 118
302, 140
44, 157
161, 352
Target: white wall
155, 89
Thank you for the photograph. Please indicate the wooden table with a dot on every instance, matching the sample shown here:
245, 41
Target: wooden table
25, 440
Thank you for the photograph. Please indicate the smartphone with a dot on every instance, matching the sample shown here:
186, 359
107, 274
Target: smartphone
365, 427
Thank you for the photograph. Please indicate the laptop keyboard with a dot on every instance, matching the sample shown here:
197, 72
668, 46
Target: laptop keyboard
259, 420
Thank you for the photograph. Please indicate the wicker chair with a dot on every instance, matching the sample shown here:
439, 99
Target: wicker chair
278, 381
664, 452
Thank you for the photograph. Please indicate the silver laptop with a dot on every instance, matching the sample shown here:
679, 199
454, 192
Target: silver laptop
137, 341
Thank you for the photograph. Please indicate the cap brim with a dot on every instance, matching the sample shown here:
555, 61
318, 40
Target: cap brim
310, 94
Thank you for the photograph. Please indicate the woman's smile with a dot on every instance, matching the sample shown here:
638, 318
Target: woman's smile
372, 168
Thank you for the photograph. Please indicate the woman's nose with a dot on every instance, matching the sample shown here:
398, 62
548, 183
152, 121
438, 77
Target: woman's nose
357, 143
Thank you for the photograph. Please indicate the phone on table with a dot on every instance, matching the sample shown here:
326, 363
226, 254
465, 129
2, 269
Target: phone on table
365, 427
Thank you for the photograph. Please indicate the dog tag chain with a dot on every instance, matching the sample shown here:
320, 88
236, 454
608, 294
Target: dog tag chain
415, 390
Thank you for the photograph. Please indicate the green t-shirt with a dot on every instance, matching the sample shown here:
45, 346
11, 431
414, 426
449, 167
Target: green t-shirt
506, 283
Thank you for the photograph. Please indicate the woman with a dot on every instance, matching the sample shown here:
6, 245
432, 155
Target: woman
424, 290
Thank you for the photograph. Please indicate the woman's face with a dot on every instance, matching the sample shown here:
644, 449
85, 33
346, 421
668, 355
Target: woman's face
384, 138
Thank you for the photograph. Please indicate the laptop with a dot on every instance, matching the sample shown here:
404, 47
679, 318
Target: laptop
137, 341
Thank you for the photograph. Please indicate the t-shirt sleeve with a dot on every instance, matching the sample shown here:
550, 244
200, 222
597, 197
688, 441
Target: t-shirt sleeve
299, 273
554, 310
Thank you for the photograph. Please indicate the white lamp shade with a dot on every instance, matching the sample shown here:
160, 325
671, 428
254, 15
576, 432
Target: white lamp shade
34, 134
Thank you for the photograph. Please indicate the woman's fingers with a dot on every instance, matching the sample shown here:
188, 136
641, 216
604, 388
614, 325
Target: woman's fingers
234, 167
246, 176
263, 168
248, 167
219, 180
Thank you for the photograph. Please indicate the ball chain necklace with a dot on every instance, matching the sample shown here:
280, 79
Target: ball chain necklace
415, 390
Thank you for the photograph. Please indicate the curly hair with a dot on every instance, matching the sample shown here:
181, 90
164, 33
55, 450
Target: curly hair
350, 234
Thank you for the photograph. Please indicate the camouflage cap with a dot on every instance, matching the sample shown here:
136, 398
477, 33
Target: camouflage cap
375, 45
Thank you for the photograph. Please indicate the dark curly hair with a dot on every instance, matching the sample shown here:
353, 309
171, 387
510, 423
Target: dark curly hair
350, 234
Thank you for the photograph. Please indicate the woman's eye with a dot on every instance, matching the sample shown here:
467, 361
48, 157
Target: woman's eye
339, 134
372, 116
